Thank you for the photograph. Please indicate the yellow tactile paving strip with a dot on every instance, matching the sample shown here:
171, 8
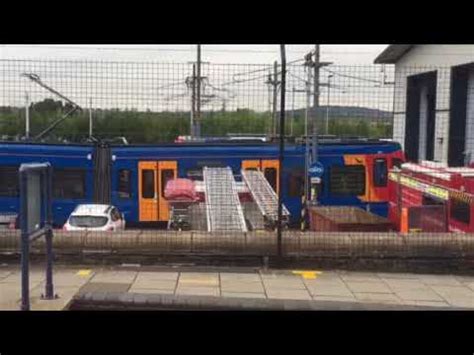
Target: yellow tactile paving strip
307, 274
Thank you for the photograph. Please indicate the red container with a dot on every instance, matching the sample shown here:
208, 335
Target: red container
180, 190
346, 219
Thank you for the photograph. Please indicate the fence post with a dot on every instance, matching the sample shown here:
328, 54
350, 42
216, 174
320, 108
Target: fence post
25, 248
282, 147
49, 291
25, 280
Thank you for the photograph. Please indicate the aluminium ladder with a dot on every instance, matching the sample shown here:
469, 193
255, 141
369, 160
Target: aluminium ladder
223, 208
265, 197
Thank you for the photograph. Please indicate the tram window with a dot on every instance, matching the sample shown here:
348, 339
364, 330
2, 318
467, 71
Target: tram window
69, 183
347, 180
397, 162
9, 181
460, 211
124, 184
380, 172
148, 183
166, 175
296, 184
271, 176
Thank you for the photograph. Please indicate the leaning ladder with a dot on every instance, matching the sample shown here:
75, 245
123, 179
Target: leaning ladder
264, 195
223, 208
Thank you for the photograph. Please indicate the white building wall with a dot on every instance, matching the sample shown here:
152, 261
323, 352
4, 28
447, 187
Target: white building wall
399, 128
422, 59
399, 103
438, 55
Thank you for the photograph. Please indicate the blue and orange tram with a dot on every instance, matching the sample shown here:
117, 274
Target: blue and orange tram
133, 177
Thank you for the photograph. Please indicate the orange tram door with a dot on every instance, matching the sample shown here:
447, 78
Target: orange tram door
152, 179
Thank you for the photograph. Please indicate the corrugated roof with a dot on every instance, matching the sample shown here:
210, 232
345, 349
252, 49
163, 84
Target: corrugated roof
393, 53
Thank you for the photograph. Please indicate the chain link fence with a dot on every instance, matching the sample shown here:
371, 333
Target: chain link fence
428, 110
156, 102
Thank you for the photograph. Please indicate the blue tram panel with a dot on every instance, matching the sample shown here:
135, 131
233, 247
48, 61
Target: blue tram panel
72, 175
76, 172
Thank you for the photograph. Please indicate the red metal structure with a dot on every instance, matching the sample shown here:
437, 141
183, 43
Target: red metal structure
431, 197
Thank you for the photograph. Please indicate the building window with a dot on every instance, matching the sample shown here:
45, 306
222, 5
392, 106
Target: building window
124, 184
347, 180
380, 172
148, 184
9, 181
69, 183
460, 211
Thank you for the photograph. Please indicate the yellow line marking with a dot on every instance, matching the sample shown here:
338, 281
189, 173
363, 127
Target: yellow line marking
84, 272
308, 275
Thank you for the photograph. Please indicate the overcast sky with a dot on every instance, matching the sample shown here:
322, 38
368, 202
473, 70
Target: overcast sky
163, 87
339, 54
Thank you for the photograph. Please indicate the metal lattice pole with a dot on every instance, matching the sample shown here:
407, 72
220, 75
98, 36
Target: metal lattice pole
27, 115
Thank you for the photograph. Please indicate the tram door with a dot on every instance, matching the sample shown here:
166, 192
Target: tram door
153, 176
167, 171
269, 168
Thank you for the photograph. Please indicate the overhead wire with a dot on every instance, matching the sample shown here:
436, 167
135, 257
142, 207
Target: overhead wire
351, 76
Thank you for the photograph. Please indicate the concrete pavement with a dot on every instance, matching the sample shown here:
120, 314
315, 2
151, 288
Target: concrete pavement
422, 290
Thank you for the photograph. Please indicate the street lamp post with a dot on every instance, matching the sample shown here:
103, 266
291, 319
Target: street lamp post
327, 106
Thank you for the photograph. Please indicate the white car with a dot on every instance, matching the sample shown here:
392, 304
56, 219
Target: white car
95, 217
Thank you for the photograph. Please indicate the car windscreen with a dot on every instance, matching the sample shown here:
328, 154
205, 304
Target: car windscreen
87, 221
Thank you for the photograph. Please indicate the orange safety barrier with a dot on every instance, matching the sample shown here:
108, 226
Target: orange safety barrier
404, 220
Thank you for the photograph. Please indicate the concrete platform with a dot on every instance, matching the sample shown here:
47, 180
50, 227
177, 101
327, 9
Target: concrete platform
140, 287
